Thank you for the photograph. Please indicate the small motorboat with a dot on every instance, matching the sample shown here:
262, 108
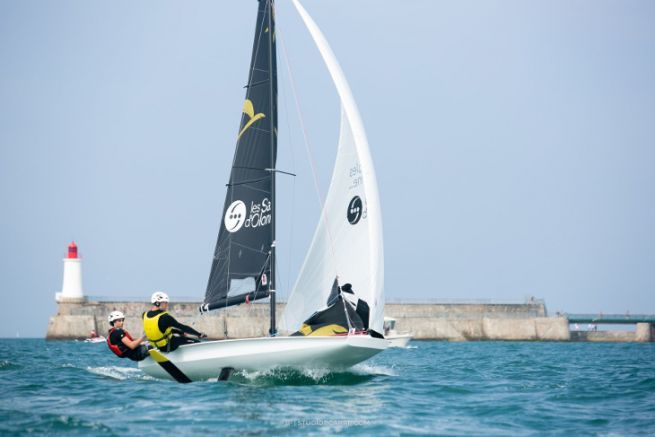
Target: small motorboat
95, 338
395, 338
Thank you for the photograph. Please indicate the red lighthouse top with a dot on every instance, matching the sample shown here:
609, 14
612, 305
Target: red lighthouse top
72, 250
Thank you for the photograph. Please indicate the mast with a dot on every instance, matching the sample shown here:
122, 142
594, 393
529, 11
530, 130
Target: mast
272, 66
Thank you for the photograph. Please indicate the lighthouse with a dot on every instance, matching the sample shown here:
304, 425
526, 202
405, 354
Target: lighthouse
71, 289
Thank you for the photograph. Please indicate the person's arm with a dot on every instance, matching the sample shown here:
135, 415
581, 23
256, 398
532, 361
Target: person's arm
167, 321
132, 344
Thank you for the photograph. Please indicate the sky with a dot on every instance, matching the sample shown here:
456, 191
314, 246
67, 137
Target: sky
514, 145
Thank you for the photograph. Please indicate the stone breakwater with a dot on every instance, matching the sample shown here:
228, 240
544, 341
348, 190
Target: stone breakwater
449, 322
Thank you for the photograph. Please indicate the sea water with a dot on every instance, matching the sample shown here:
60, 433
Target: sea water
492, 388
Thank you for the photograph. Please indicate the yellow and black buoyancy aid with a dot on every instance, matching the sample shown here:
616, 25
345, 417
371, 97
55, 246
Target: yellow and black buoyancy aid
151, 328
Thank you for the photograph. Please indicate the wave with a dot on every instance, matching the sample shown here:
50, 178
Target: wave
48, 422
8, 365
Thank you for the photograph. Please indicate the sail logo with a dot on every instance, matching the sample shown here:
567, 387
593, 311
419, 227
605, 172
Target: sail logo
356, 177
249, 110
260, 214
355, 210
235, 216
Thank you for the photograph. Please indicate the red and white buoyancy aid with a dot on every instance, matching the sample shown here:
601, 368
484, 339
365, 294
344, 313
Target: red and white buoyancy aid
114, 347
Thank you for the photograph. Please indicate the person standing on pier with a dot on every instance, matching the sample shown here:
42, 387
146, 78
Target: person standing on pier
163, 331
121, 342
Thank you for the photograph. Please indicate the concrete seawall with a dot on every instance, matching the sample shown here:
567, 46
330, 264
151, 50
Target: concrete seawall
451, 322
467, 322
643, 333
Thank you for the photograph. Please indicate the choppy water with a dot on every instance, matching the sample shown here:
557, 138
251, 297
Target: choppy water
432, 388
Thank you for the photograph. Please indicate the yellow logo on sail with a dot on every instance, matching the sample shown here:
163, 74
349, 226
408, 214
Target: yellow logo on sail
249, 110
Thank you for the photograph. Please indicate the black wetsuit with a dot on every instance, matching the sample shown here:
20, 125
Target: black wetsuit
167, 321
137, 354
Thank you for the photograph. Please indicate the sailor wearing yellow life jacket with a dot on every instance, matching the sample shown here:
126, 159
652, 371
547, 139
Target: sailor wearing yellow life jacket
163, 331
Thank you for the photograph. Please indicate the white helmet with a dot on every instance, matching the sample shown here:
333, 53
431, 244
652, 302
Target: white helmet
158, 297
115, 315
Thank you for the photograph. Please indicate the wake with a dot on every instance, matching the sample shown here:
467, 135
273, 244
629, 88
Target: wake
359, 374
120, 373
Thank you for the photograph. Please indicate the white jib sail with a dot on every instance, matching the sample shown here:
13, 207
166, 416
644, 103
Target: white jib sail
348, 240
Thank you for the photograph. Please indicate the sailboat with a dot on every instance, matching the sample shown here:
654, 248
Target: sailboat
335, 311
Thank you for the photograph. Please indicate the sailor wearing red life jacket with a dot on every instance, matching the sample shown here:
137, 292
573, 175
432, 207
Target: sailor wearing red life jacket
121, 342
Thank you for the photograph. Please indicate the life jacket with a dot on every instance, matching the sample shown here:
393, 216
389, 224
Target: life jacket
114, 347
151, 328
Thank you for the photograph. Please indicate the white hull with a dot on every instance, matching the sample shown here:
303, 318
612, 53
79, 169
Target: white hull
399, 340
203, 361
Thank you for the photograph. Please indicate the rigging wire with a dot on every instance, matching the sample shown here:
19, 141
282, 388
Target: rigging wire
308, 149
291, 143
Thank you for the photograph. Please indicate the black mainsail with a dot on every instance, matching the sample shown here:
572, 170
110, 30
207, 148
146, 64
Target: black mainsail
243, 267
